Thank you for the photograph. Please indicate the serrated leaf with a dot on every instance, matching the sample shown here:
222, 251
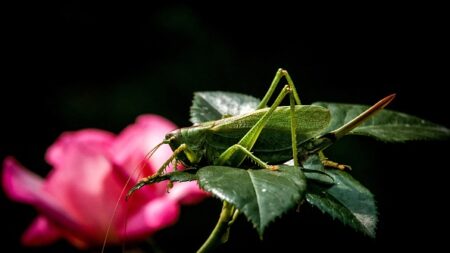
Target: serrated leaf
347, 200
317, 176
386, 125
262, 195
214, 105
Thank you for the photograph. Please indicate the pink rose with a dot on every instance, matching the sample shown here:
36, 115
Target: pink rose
90, 168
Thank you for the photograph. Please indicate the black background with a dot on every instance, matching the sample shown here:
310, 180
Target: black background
75, 65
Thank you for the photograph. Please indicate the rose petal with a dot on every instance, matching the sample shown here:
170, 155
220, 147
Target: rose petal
84, 180
77, 199
157, 214
187, 193
19, 183
85, 185
41, 232
134, 142
22, 185
56, 153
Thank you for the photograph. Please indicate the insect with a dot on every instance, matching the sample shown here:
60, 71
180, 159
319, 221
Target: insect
268, 136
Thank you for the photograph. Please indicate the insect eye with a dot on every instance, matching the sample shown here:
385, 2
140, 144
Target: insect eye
168, 136
171, 137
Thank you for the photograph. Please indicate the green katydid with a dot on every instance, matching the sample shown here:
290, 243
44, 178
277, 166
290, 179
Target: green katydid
218, 149
267, 136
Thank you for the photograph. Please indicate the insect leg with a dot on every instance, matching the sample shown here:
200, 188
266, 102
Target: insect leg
148, 180
259, 162
160, 171
293, 98
252, 135
292, 87
339, 166
293, 129
276, 80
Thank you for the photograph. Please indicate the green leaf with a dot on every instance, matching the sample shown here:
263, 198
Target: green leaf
315, 174
319, 177
262, 195
386, 125
214, 105
347, 200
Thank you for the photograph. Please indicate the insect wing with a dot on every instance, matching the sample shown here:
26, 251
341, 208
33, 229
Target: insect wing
274, 143
311, 121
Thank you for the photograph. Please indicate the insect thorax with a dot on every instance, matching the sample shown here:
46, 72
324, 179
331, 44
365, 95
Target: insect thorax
193, 138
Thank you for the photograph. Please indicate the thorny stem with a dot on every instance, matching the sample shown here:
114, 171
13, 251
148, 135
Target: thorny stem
220, 233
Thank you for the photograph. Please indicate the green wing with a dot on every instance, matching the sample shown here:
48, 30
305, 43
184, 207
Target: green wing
274, 143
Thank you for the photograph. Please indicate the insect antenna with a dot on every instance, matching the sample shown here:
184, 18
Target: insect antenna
138, 168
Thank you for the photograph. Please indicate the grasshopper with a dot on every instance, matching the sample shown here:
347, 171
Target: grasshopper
267, 136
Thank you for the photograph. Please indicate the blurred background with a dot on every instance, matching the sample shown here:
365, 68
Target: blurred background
75, 65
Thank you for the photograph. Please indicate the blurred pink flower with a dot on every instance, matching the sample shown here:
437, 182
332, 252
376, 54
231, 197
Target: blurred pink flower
90, 167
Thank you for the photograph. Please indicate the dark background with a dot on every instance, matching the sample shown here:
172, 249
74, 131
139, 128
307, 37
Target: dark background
69, 66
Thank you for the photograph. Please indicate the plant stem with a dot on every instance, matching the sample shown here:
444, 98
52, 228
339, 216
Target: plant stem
220, 233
